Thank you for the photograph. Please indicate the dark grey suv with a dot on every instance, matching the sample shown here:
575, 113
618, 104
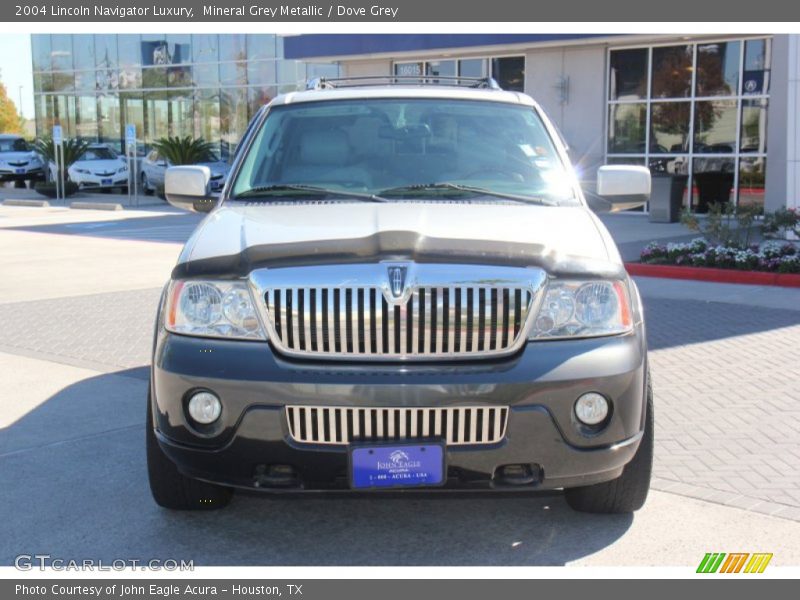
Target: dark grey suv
400, 287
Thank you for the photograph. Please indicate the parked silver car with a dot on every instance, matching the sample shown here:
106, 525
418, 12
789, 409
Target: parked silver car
153, 167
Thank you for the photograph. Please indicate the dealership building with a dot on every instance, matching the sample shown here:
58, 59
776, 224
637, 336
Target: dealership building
715, 116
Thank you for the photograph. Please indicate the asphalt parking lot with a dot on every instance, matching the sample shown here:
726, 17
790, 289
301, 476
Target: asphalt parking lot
76, 308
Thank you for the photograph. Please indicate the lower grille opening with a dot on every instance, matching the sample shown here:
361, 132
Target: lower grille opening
345, 425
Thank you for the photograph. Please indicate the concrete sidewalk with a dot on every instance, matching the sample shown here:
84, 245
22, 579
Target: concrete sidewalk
142, 201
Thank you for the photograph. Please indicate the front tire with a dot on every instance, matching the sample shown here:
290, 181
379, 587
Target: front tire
170, 488
628, 492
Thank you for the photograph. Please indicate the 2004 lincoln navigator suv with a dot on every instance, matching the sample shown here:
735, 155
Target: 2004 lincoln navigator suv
400, 287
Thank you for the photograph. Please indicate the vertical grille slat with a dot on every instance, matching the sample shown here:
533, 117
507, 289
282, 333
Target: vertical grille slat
359, 321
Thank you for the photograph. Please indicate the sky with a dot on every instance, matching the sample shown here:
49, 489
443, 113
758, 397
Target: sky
15, 69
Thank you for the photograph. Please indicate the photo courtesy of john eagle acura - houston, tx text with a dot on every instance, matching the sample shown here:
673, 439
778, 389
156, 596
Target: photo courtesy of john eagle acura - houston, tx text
401, 286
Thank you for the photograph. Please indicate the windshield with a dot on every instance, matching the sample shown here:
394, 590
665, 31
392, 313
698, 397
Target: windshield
405, 148
98, 154
15, 145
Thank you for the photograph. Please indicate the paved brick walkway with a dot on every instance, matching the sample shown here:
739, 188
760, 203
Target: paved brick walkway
726, 380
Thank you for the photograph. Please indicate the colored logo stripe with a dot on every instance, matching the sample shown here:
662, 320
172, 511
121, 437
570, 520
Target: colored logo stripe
758, 563
710, 562
713, 562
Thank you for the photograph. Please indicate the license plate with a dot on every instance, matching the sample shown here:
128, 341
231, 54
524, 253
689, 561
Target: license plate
396, 466
20, 171
106, 181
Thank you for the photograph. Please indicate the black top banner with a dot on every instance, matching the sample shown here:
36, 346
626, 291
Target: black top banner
263, 11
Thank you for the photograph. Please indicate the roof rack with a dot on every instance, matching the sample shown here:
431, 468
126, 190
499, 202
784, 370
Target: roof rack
326, 83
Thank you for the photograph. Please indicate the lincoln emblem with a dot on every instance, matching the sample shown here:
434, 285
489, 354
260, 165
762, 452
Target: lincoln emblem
397, 280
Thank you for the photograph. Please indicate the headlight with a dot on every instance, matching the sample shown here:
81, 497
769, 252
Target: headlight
213, 309
583, 309
83, 171
122, 169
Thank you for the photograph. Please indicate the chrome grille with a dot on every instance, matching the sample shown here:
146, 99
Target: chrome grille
436, 321
458, 426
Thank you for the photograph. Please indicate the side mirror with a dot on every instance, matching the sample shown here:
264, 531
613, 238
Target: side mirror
623, 186
187, 188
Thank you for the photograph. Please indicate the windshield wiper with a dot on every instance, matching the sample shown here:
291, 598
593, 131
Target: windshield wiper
448, 185
268, 190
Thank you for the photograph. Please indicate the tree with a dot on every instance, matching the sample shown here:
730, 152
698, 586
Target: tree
184, 150
10, 121
73, 150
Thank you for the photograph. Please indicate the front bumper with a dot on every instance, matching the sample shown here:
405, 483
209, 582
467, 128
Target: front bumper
21, 173
100, 182
539, 385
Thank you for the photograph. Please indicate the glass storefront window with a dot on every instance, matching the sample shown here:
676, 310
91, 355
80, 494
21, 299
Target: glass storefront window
178, 77
107, 80
233, 119
205, 47
627, 128
258, 97
179, 46
206, 75
180, 114
156, 116
85, 81
262, 72
63, 81
753, 137
155, 50
132, 112
83, 51
472, 67
628, 74
321, 70
718, 69
233, 73
509, 72
715, 127
108, 118
129, 50
130, 78
669, 127
207, 117
42, 82
233, 47
442, 68
40, 52
757, 59
289, 72
61, 52
672, 72
105, 51
154, 77
261, 46
752, 175
713, 182
86, 125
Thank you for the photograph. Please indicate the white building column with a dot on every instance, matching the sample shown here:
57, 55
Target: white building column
783, 128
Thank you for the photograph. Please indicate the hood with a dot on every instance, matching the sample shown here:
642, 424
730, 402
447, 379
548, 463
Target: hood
17, 156
235, 239
98, 166
218, 167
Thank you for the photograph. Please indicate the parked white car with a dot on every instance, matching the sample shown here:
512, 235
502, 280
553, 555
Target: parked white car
154, 166
18, 161
99, 168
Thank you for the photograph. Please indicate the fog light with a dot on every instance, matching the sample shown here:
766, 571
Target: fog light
591, 408
204, 407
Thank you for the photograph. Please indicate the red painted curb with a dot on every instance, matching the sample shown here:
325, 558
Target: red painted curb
715, 275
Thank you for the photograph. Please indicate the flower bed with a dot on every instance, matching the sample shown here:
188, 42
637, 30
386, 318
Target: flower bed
772, 256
